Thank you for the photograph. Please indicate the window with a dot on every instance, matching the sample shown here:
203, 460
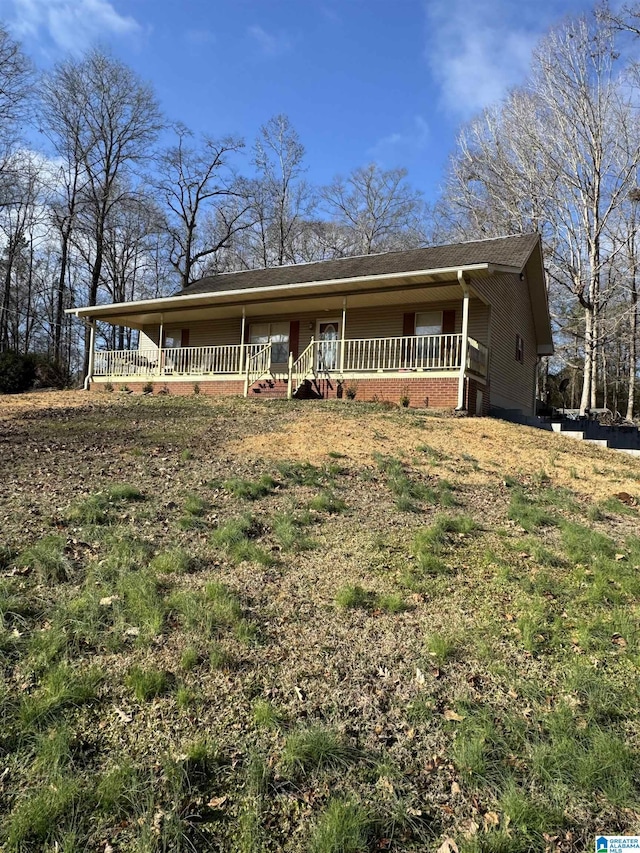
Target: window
520, 349
429, 323
278, 334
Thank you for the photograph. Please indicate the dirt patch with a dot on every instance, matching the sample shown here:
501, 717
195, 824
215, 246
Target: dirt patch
14, 405
479, 449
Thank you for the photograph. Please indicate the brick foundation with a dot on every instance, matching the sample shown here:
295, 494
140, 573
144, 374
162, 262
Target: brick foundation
435, 393
230, 388
422, 392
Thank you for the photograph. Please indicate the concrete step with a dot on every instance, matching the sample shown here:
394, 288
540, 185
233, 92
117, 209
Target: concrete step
599, 442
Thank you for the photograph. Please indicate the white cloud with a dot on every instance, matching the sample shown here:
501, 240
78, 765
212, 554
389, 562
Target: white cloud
402, 145
71, 25
270, 44
478, 50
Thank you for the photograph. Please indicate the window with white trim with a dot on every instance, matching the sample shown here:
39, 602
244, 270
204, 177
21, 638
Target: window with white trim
429, 323
278, 334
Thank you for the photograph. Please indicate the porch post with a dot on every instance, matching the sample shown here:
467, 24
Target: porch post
92, 348
465, 339
160, 337
290, 377
242, 347
344, 323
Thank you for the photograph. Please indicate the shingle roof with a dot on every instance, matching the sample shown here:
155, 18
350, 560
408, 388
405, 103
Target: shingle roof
510, 251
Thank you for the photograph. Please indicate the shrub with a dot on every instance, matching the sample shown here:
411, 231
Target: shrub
351, 391
50, 373
17, 372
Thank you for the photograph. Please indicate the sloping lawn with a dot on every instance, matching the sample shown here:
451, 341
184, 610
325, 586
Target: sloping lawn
243, 626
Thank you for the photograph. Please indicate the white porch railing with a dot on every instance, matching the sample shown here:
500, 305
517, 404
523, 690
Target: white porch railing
303, 367
258, 365
418, 352
190, 361
320, 358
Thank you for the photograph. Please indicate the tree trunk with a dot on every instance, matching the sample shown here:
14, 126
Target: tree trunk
633, 330
585, 399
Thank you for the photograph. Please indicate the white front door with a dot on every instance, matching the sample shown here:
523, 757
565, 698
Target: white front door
328, 350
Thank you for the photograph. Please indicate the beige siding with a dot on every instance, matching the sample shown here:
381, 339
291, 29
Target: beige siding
379, 322
148, 339
512, 382
211, 332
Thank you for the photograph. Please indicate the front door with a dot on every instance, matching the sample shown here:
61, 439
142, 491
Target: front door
328, 350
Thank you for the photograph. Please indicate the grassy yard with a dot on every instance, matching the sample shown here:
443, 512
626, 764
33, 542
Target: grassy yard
334, 628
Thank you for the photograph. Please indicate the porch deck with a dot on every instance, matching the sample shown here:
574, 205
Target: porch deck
417, 354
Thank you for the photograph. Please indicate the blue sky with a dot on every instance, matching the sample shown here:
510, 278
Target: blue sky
361, 80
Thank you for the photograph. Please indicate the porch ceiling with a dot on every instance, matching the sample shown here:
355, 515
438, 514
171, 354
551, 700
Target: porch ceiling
138, 316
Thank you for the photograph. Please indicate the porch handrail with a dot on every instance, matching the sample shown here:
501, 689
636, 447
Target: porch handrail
409, 352
477, 358
303, 367
123, 362
225, 359
258, 366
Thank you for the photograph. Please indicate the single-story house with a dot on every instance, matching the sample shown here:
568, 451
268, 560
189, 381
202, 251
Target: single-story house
459, 326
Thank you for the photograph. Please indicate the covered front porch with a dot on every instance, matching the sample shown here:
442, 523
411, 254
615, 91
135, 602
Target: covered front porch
382, 340
327, 358
325, 361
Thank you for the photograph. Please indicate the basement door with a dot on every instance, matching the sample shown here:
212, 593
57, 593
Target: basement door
328, 337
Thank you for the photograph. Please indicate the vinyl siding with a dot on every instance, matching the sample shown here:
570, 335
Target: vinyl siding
378, 322
512, 382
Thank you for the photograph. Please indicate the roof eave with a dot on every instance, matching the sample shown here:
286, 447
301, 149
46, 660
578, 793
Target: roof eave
298, 288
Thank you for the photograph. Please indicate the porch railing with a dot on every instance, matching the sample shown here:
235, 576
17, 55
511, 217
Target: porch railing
258, 366
417, 352
303, 367
253, 361
194, 361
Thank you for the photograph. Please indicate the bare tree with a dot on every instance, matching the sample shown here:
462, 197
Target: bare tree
101, 115
206, 205
559, 156
15, 92
281, 200
377, 209
16, 264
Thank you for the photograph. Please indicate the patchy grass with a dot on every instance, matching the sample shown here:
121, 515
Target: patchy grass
47, 559
101, 507
312, 749
344, 827
249, 489
146, 682
236, 536
178, 673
